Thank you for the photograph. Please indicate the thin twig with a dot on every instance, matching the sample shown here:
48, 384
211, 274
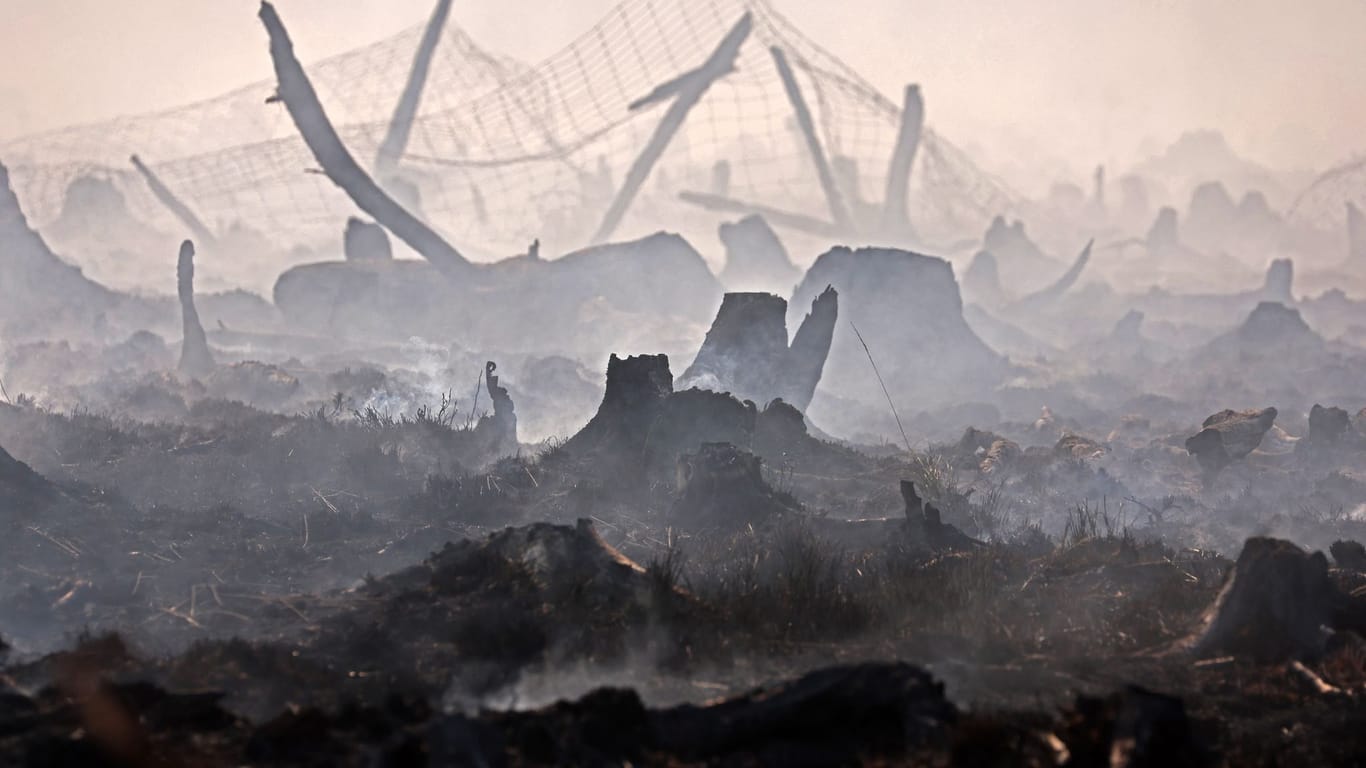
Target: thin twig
478, 385
885, 393
326, 501
62, 545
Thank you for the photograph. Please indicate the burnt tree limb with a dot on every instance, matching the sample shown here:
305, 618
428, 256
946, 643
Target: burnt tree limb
895, 217
687, 90
1063, 284
839, 212
401, 124
301, 100
175, 205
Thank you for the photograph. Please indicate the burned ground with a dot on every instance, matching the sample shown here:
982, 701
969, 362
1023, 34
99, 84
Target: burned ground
684, 544
1103, 506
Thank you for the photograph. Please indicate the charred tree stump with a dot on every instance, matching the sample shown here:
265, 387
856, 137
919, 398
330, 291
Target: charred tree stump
1273, 607
1349, 555
810, 349
195, 358
746, 350
925, 524
724, 485
755, 257
500, 427
364, 241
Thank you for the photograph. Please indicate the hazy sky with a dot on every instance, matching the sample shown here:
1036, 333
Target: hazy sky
1285, 81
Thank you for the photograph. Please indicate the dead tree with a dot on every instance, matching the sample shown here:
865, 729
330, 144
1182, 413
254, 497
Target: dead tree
301, 101
175, 205
895, 217
195, 358
1356, 235
839, 212
401, 124
686, 90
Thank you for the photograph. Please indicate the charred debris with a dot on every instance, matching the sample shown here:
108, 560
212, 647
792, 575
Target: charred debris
1053, 497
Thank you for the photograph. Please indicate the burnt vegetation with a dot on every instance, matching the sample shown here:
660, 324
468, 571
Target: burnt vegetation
621, 507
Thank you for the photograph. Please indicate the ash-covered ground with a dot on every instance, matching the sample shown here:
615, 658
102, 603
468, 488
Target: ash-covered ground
998, 506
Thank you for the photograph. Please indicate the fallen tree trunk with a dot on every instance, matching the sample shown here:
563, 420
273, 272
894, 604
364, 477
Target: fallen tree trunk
301, 101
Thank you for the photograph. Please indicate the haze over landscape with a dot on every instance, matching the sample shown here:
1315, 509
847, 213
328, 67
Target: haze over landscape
1114, 81
391, 383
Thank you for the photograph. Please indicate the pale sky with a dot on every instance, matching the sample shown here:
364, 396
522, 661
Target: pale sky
1093, 79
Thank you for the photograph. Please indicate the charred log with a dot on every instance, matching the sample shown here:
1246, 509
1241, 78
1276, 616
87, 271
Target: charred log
835, 716
1229, 436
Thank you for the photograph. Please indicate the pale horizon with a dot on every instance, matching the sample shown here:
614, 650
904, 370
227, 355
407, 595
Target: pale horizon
1054, 91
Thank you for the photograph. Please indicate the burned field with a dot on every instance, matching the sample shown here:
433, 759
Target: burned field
1072, 502
688, 579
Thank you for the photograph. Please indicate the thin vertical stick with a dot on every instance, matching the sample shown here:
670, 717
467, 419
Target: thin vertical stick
479, 382
885, 393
